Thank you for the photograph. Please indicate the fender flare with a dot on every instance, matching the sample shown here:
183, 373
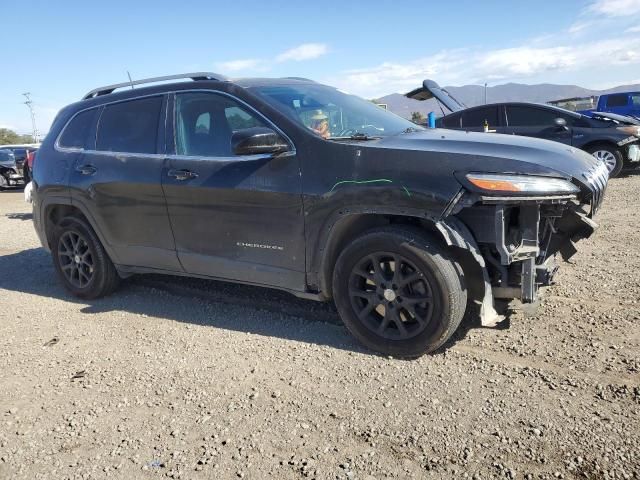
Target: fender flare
69, 202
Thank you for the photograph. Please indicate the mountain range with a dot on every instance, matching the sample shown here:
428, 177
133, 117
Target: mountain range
472, 95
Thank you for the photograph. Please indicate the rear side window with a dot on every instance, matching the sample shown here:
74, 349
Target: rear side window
76, 133
531, 117
635, 100
130, 127
451, 121
618, 100
477, 117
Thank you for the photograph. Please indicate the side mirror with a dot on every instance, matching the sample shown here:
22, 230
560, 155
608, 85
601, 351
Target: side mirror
256, 140
560, 122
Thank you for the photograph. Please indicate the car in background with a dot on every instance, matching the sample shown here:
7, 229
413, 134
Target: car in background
8, 169
612, 138
621, 103
21, 154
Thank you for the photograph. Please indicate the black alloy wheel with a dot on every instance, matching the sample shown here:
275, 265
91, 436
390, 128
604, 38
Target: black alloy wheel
81, 261
391, 296
399, 291
76, 259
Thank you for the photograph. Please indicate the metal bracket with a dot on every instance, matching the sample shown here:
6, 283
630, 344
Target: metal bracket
456, 234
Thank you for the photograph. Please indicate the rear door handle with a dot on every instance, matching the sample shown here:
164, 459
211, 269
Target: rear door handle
182, 174
86, 169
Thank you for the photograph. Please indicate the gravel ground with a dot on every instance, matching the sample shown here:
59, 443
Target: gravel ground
196, 379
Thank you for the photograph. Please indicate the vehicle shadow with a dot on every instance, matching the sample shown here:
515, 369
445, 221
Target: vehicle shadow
212, 303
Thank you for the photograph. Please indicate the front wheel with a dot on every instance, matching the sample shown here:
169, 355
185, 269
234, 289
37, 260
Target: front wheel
399, 292
81, 261
611, 156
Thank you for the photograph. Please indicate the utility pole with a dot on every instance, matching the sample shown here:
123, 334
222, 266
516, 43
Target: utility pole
34, 130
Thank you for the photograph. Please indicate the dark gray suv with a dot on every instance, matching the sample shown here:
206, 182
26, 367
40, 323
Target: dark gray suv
294, 185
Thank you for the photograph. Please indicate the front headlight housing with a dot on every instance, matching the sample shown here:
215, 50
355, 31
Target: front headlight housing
521, 184
630, 130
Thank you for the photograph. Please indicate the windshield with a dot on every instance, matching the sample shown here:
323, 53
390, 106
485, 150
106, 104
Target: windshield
332, 114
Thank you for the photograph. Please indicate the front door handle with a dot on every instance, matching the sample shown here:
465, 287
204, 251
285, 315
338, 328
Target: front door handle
86, 169
182, 174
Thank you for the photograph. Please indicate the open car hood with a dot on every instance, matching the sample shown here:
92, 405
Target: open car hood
624, 119
431, 89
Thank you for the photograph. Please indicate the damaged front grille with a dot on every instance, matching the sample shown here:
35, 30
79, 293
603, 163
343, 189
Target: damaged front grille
597, 178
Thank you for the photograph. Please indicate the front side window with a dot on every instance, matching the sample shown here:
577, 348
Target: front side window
330, 113
205, 123
76, 133
618, 100
130, 126
635, 100
531, 117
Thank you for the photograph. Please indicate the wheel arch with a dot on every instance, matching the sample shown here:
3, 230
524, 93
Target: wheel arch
452, 232
58, 208
604, 142
346, 226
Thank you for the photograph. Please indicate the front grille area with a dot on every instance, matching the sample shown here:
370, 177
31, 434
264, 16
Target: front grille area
597, 178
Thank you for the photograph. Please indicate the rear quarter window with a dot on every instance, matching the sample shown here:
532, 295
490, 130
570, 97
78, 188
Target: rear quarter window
76, 133
477, 117
451, 121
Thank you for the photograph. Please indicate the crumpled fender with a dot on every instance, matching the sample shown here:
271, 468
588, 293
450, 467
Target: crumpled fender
456, 234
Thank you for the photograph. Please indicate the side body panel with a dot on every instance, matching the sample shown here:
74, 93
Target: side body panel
124, 195
240, 217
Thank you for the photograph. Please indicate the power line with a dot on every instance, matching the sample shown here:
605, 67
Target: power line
29, 103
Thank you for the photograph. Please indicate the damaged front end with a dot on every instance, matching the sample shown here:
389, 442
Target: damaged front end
520, 237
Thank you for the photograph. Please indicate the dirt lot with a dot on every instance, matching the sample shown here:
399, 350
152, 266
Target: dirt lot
196, 379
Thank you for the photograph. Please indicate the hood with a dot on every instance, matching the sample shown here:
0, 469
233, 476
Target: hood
431, 89
496, 153
623, 119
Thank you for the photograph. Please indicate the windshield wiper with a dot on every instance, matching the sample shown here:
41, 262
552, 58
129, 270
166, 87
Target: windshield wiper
355, 136
410, 130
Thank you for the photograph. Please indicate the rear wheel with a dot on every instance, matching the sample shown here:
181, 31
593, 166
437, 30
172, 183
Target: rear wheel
399, 292
610, 155
81, 261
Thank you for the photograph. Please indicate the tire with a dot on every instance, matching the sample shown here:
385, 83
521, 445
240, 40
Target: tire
26, 174
383, 309
610, 155
4, 182
81, 261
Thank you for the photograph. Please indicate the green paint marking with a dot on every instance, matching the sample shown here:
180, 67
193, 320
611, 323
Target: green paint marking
359, 182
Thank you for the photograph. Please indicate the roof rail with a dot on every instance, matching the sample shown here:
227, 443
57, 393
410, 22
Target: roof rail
96, 92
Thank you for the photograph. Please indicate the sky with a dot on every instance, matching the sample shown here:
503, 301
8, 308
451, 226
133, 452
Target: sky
60, 50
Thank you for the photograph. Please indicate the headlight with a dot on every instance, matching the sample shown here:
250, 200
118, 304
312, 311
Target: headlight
635, 131
506, 183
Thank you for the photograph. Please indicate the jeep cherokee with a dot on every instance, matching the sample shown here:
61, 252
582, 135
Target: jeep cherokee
291, 184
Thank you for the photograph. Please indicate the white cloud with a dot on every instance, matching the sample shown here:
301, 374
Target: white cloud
635, 29
479, 66
239, 65
306, 51
615, 8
